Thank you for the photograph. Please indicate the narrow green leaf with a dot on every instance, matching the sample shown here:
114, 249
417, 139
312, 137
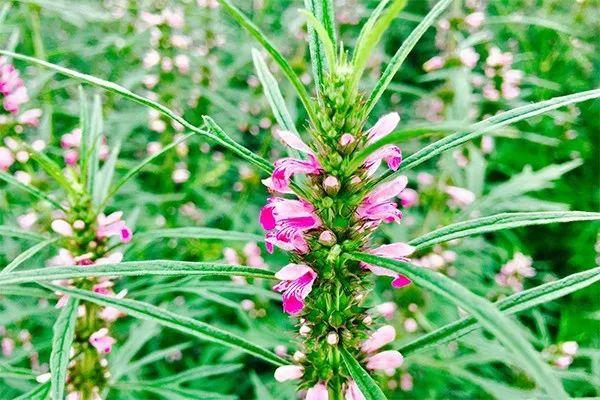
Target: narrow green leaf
133, 268
8, 372
201, 372
94, 144
498, 222
272, 93
8, 178
198, 233
52, 169
155, 356
175, 321
245, 22
11, 231
505, 330
260, 390
105, 175
64, 332
369, 388
511, 305
402, 53
38, 393
315, 46
219, 137
490, 124
328, 18
26, 255
172, 392
326, 43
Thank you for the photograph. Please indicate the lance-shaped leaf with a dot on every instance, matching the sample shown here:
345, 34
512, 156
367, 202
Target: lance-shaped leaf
38, 393
511, 305
26, 255
175, 321
316, 44
201, 372
498, 222
218, 136
245, 22
402, 53
490, 124
133, 268
8, 178
64, 332
198, 233
506, 331
366, 384
12, 231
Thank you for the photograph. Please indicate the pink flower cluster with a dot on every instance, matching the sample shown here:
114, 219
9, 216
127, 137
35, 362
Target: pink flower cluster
513, 273
499, 67
12, 87
71, 142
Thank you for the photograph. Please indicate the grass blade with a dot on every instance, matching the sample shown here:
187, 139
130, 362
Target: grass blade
218, 136
8, 178
245, 22
11, 231
198, 233
175, 321
511, 305
133, 268
26, 255
38, 393
366, 384
498, 222
402, 53
505, 330
64, 332
201, 372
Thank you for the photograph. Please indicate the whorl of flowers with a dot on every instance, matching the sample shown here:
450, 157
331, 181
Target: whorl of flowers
332, 208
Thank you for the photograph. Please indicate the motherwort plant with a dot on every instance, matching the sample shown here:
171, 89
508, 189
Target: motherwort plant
342, 180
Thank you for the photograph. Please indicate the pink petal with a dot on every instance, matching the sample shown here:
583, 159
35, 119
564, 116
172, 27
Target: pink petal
389, 359
293, 141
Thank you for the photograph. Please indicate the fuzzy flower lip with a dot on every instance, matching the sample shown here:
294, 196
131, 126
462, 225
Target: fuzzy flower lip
379, 205
389, 359
382, 336
397, 251
390, 153
317, 392
101, 341
286, 168
286, 221
113, 225
296, 283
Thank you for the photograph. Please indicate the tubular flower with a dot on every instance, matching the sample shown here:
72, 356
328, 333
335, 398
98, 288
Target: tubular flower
390, 153
379, 206
296, 283
382, 336
285, 222
286, 168
102, 341
288, 373
389, 359
397, 251
113, 225
11, 87
317, 392
353, 392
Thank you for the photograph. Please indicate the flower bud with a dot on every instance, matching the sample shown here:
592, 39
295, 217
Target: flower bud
288, 372
299, 356
327, 238
62, 227
333, 338
304, 330
79, 224
331, 184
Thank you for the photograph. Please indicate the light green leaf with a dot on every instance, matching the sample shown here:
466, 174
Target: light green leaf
402, 53
505, 330
511, 305
155, 356
218, 136
172, 392
369, 388
201, 372
38, 393
26, 255
64, 332
260, 390
498, 222
11, 231
175, 321
8, 178
245, 22
198, 233
326, 44
133, 268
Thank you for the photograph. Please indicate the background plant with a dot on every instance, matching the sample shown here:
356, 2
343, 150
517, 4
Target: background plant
223, 195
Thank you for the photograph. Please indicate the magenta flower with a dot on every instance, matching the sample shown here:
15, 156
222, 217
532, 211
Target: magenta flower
296, 283
397, 251
390, 153
285, 222
382, 336
102, 341
286, 168
379, 206
11, 87
113, 225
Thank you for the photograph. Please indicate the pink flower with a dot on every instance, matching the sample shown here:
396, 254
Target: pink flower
11, 87
459, 196
6, 158
390, 153
288, 372
26, 221
101, 341
30, 117
468, 57
317, 392
382, 336
408, 197
387, 309
62, 227
296, 283
113, 225
434, 63
8, 346
71, 140
353, 392
285, 222
389, 359
379, 206
474, 20
286, 168
397, 251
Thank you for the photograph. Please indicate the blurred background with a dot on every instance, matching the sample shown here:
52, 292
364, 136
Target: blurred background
479, 59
